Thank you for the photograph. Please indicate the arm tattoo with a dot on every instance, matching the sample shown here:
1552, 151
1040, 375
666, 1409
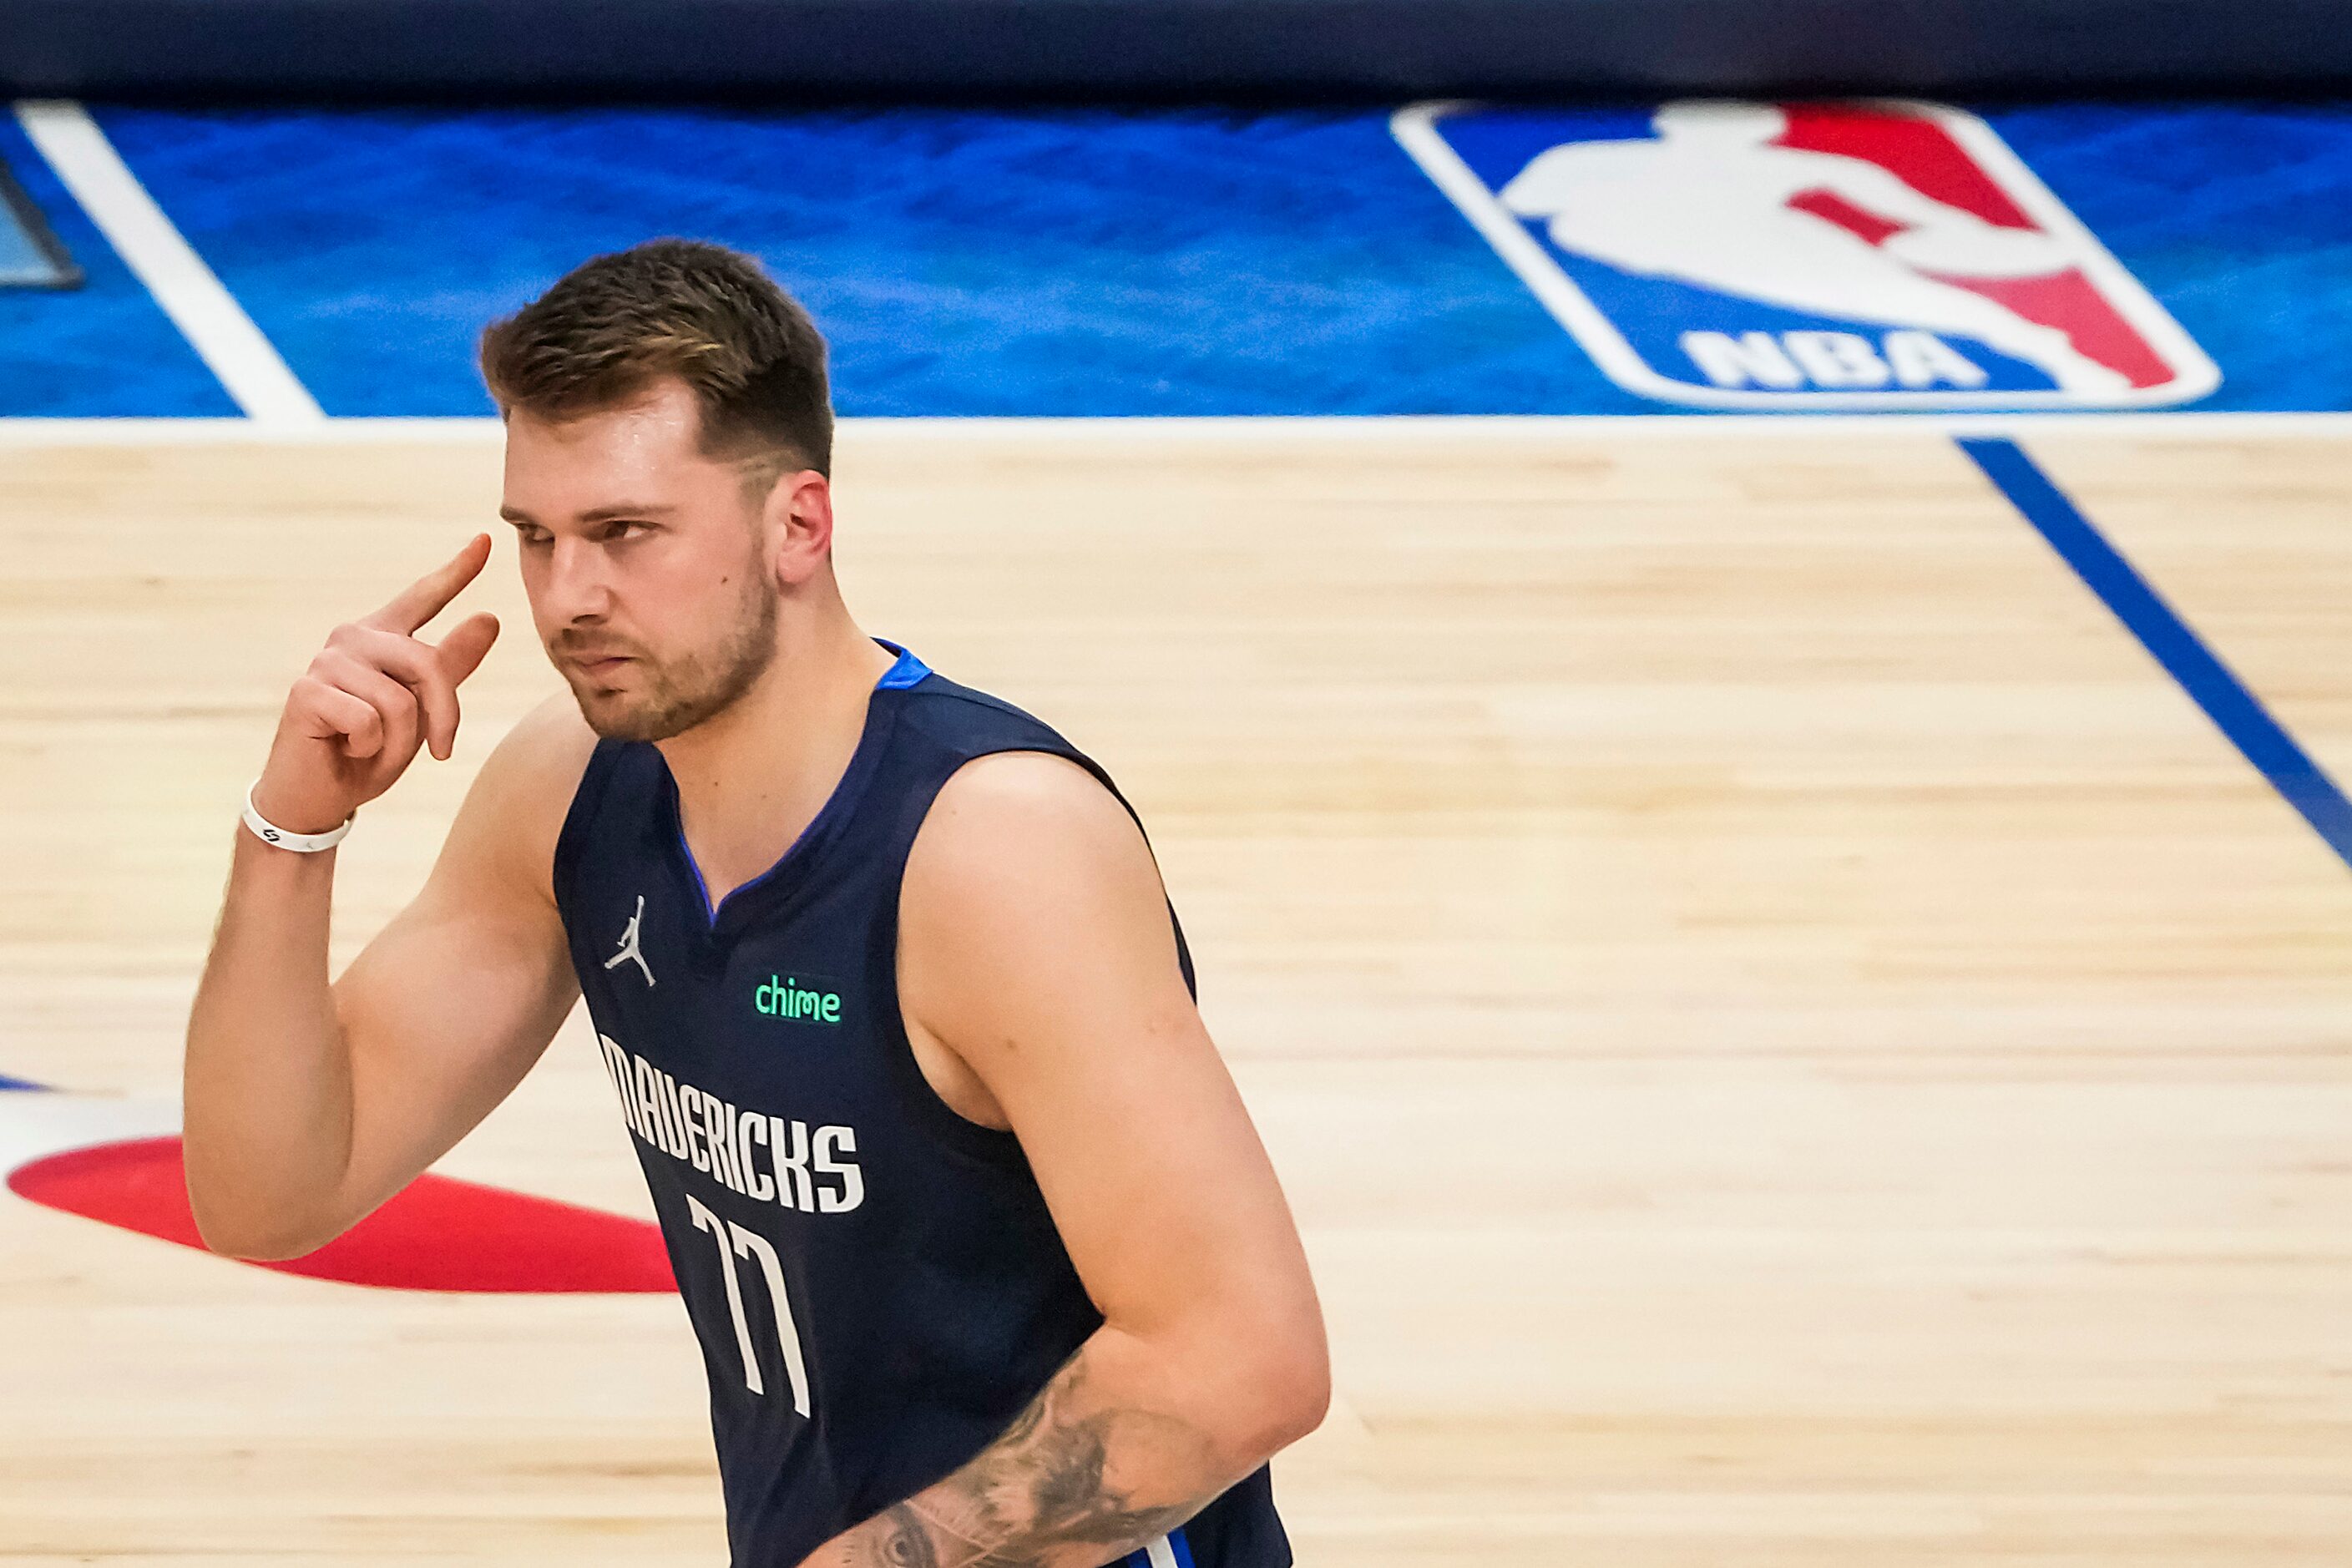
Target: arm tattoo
1043, 1488
904, 1543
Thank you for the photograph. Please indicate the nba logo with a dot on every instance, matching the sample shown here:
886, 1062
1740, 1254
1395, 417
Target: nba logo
1875, 255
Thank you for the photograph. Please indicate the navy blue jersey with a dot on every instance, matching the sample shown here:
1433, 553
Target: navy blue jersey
875, 1279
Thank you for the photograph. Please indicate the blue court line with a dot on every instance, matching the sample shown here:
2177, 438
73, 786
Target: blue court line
2240, 715
7, 1083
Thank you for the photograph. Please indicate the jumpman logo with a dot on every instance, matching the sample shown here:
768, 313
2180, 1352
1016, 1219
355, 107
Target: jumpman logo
631, 949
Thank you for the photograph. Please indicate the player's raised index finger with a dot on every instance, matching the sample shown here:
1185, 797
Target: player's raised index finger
424, 599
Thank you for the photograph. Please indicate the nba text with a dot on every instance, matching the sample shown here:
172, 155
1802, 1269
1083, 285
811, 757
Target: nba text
1786, 361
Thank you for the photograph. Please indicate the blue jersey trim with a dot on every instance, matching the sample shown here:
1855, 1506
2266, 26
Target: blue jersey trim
1178, 1547
908, 671
677, 823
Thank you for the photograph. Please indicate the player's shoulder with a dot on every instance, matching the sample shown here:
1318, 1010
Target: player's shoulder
1015, 786
1026, 866
539, 763
514, 813
1022, 818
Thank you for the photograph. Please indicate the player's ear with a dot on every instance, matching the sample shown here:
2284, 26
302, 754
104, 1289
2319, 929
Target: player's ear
798, 520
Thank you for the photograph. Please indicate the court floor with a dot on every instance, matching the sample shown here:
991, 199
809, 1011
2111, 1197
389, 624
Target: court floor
1791, 1039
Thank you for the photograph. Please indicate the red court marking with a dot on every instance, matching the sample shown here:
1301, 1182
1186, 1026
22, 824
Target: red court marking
1913, 147
1925, 157
437, 1234
1846, 214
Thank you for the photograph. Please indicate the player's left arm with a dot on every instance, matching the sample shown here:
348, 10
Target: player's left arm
1035, 945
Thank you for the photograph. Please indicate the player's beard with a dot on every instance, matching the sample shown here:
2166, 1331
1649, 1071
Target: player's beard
678, 693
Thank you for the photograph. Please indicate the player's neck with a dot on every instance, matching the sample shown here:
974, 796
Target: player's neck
750, 779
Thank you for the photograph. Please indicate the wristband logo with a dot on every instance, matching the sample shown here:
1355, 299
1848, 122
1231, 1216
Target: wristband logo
788, 999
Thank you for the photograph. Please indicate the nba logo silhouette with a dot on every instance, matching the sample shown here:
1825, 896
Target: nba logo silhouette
1878, 255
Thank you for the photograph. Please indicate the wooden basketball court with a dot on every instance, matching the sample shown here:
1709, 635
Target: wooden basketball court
1791, 1041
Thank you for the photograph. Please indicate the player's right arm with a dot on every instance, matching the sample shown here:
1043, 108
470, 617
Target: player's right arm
308, 1103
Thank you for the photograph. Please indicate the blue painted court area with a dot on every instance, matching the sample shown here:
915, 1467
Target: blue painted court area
2238, 220
1061, 263
25, 261
104, 348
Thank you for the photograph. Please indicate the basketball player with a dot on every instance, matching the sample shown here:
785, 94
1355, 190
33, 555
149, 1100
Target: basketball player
985, 1258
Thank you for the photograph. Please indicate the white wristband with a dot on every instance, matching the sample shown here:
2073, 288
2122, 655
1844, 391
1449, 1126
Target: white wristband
300, 843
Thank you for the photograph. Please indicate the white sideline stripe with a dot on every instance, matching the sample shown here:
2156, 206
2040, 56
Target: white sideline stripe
37, 1123
208, 315
1160, 1555
1270, 429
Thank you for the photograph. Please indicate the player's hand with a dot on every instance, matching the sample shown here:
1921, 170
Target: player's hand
374, 694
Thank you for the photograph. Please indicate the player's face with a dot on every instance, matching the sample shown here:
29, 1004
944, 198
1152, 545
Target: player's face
647, 564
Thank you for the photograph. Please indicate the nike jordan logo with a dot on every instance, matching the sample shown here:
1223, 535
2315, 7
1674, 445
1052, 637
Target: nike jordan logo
632, 951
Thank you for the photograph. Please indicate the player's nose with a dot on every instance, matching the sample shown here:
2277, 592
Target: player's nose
577, 583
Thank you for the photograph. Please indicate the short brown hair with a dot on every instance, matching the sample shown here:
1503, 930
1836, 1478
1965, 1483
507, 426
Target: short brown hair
706, 314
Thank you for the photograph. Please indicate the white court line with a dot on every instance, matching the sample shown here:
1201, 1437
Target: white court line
23, 433
208, 315
36, 1123
1266, 429
1505, 428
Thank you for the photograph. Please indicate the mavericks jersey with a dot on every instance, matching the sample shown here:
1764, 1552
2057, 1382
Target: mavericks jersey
876, 1283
